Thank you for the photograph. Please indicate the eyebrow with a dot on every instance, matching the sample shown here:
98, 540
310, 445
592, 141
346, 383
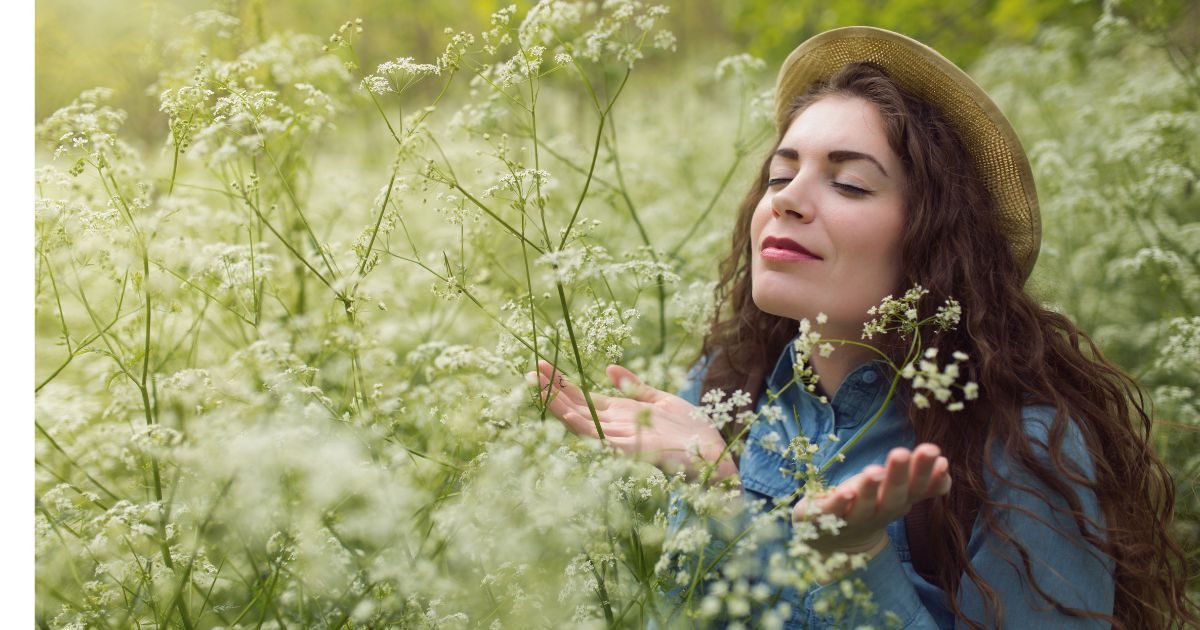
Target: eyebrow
835, 156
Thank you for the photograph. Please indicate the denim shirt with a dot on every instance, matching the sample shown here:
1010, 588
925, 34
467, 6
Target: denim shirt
1065, 566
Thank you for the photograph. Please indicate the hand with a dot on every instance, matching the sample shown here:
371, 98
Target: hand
875, 497
652, 425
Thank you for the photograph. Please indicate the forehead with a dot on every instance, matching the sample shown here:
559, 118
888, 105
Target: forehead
844, 123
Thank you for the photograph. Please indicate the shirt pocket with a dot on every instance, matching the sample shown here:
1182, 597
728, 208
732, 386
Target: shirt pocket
765, 471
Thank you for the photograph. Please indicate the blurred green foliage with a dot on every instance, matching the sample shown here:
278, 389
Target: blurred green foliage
124, 45
959, 30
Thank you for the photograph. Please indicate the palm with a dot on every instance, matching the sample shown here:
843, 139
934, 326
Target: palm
652, 425
877, 496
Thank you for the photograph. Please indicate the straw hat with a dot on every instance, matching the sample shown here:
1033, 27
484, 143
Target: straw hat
989, 138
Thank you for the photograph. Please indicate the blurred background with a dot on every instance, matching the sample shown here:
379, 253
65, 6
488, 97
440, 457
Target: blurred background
123, 44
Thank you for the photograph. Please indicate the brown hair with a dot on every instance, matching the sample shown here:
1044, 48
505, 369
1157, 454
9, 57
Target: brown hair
1021, 353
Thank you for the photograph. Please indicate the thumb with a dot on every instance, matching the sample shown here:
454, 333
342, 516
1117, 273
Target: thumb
631, 385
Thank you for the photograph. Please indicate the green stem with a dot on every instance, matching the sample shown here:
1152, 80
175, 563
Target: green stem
595, 154
660, 284
532, 311
290, 248
601, 591
287, 188
583, 381
712, 203
205, 293
867, 427
73, 462
362, 268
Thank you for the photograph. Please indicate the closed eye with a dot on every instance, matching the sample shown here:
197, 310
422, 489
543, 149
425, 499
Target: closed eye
778, 181
850, 189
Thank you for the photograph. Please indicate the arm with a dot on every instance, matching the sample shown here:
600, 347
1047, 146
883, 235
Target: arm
1062, 563
868, 502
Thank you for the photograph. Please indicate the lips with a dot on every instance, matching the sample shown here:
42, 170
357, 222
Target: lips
785, 249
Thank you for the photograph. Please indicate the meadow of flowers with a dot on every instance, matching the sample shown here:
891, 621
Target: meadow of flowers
282, 354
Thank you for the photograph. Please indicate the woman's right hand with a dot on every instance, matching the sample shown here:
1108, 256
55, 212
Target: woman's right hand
652, 425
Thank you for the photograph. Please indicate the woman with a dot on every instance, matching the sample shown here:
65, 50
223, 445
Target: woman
892, 169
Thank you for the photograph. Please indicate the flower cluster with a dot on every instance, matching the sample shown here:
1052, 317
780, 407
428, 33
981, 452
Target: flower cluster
695, 305
88, 126
523, 183
939, 382
805, 343
718, 409
226, 109
739, 66
605, 330
619, 29
1182, 349
576, 262
900, 315
397, 75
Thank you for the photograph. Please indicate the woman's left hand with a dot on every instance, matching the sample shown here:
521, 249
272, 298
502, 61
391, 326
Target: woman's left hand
875, 497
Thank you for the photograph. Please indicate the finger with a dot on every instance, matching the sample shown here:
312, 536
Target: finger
578, 423
939, 481
893, 492
542, 382
839, 502
564, 387
615, 428
552, 374
806, 508
558, 401
836, 502
866, 486
578, 417
921, 468
562, 407
632, 386
635, 445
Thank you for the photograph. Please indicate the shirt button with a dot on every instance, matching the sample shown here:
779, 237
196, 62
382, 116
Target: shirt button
869, 376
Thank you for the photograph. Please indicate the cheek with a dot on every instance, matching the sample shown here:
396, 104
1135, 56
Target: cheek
758, 220
885, 247
894, 241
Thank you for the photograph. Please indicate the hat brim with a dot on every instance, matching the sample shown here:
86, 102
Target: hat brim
995, 150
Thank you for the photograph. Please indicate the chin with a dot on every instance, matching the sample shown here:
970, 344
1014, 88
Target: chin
772, 303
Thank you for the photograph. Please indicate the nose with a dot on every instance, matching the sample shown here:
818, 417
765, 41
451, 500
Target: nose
795, 200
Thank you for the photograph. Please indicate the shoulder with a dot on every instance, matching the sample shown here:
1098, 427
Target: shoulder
1039, 549
1055, 438
1053, 463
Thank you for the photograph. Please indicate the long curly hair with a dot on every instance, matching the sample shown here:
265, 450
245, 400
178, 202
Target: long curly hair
1021, 353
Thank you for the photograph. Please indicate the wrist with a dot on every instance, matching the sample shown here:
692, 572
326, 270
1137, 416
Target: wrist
725, 469
721, 461
871, 547
878, 547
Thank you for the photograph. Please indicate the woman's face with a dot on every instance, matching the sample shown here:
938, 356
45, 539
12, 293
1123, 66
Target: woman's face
826, 233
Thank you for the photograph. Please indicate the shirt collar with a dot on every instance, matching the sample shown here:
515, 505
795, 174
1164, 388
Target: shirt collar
857, 399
